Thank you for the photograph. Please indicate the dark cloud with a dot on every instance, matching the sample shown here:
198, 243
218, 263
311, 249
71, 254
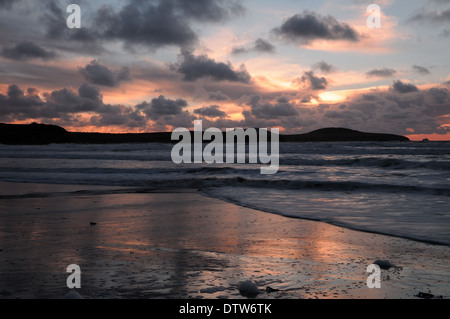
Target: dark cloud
421, 70
65, 101
217, 96
161, 106
99, 74
310, 26
119, 115
138, 22
163, 23
196, 67
311, 82
64, 106
401, 87
382, 73
281, 108
56, 104
27, 50
153, 24
87, 39
84, 35
210, 10
324, 67
437, 96
90, 92
212, 111
18, 106
260, 46
394, 112
166, 112
435, 17
438, 18
14, 92
239, 50
385, 111
55, 20
44, 75
32, 91
7, 4
369, 97
146, 23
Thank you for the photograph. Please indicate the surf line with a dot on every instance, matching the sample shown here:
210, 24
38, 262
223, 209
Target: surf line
214, 151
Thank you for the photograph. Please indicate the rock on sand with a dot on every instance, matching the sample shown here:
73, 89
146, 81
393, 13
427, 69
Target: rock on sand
248, 289
384, 264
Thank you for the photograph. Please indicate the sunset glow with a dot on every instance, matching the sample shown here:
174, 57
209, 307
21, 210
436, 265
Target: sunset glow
240, 64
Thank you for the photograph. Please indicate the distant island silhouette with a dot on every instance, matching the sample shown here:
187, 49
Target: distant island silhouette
41, 134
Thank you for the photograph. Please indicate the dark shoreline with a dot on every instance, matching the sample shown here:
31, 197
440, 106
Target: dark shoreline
41, 134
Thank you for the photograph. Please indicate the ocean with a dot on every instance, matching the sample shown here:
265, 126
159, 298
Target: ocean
394, 188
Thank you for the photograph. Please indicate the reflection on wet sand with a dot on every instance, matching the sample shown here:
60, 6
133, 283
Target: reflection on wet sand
148, 245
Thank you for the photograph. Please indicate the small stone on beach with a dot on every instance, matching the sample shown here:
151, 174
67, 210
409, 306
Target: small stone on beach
427, 295
248, 289
384, 264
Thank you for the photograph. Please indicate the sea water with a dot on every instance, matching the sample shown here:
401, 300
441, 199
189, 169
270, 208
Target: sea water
395, 188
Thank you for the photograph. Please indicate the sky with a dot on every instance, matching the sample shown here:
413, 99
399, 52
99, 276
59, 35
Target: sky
297, 65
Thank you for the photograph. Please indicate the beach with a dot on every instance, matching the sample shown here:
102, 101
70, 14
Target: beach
167, 244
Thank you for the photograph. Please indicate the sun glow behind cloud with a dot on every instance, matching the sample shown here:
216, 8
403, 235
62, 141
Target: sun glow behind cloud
332, 97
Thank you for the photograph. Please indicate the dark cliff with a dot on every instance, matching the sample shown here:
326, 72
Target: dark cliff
38, 134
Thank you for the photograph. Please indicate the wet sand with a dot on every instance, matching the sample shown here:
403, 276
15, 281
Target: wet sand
186, 245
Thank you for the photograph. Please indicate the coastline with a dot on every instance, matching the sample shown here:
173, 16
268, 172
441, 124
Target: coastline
41, 134
148, 245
